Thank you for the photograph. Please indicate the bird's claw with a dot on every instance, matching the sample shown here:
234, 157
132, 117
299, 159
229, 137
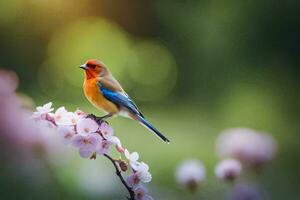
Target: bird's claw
99, 120
91, 116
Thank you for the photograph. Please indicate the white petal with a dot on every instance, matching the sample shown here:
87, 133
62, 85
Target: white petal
39, 109
134, 156
48, 105
86, 126
127, 154
134, 165
115, 141
61, 110
145, 177
143, 167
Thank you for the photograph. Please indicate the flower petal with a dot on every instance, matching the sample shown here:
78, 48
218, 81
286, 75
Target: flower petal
94, 140
78, 141
133, 180
114, 140
106, 130
66, 133
127, 154
134, 156
86, 126
103, 148
143, 167
85, 153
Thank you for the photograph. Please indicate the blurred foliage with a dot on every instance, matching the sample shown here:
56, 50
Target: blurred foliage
194, 68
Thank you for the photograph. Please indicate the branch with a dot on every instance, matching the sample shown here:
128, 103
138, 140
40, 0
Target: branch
100, 120
118, 172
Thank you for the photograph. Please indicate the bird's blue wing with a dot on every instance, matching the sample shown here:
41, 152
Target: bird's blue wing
123, 100
120, 99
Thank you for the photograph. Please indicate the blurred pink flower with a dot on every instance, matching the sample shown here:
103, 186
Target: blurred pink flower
248, 146
245, 191
45, 123
228, 169
190, 173
86, 126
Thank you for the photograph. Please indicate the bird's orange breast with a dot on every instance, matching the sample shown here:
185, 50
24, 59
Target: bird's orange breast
95, 96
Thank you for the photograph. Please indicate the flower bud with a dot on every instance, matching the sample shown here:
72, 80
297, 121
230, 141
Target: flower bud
123, 165
120, 149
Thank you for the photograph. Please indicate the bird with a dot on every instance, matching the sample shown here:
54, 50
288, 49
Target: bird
105, 93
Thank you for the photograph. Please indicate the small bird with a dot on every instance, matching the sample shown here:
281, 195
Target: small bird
106, 94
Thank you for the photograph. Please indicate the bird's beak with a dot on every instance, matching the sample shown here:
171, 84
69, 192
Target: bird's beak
83, 67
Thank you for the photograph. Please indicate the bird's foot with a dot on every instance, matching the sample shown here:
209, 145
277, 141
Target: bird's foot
91, 116
99, 120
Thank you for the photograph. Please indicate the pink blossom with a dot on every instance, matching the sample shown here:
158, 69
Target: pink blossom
86, 126
43, 111
90, 138
80, 113
190, 173
66, 133
103, 148
45, 123
106, 131
41, 130
143, 171
132, 159
87, 144
63, 117
248, 146
228, 169
47, 108
141, 193
244, 191
141, 175
133, 180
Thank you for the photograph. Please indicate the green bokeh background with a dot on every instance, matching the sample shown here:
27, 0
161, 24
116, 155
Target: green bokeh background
193, 67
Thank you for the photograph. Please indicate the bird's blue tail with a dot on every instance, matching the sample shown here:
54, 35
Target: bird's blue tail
145, 123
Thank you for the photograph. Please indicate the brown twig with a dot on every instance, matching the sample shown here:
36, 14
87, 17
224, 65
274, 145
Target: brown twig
118, 173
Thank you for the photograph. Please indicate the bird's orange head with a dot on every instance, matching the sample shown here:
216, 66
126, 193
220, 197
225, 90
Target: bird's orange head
93, 68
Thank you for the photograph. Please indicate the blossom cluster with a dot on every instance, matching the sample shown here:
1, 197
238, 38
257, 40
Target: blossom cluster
92, 138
